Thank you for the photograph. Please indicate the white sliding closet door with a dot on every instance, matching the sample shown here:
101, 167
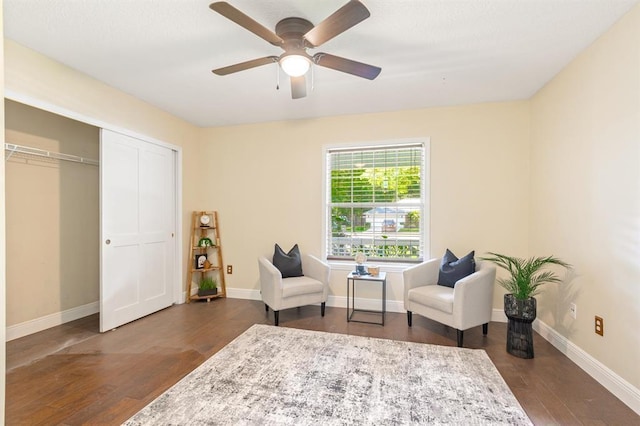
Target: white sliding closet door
137, 204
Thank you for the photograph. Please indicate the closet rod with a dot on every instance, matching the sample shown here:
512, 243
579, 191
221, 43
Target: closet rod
19, 149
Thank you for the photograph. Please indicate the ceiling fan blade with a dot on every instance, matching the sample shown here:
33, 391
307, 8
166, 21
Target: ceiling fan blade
245, 65
341, 20
233, 14
346, 65
298, 87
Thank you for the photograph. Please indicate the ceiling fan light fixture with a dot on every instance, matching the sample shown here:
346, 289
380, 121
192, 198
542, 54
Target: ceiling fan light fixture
294, 64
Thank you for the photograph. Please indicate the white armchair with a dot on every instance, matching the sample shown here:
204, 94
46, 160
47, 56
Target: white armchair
467, 305
283, 293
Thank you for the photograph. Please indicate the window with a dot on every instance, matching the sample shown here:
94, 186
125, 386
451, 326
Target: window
375, 202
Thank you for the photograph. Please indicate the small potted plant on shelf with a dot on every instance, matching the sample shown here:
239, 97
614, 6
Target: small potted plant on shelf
205, 242
207, 287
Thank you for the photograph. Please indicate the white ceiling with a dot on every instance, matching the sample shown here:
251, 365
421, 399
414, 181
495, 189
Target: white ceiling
432, 52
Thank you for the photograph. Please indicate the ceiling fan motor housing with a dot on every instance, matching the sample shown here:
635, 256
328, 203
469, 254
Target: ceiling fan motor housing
292, 31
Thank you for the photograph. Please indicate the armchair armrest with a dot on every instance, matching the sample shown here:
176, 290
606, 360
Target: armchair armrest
473, 297
425, 273
316, 268
270, 283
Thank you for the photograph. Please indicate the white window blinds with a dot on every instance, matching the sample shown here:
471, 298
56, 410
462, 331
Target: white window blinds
376, 202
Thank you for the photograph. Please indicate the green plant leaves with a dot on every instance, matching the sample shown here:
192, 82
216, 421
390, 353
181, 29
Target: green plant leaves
526, 275
208, 283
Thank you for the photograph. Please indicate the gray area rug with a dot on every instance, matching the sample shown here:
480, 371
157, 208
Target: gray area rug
284, 376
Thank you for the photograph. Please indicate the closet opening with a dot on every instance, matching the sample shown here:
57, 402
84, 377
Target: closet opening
52, 219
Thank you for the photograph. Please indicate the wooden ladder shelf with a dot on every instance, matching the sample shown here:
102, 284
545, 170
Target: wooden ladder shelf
205, 256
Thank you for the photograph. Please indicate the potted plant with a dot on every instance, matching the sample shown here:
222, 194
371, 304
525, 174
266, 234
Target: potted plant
207, 287
526, 276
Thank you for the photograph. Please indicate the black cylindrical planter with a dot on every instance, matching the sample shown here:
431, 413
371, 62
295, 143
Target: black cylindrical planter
521, 314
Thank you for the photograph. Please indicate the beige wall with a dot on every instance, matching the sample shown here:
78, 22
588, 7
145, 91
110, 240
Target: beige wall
37, 80
52, 216
267, 181
585, 195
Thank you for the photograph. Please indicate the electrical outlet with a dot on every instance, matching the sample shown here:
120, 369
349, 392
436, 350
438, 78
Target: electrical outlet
599, 326
573, 310
229, 269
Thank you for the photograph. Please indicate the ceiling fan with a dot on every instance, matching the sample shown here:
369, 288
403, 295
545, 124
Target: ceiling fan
295, 36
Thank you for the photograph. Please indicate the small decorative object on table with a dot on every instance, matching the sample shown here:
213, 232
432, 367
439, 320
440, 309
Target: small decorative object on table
360, 259
373, 270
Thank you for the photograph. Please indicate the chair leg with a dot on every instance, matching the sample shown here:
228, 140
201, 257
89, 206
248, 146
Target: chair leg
322, 306
409, 318
266, 307
485, 328
276, 315
460, 334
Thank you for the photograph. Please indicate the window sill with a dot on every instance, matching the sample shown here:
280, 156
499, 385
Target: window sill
339, 265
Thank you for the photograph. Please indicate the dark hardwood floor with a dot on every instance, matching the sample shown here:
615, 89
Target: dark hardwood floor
74, 375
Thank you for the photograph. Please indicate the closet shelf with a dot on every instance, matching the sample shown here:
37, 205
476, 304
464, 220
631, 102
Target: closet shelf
36, 152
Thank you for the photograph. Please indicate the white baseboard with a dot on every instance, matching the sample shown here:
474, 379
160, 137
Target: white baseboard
370, 304
341, 302
615, 384
334, 301
242, 293
498, 315
51, 320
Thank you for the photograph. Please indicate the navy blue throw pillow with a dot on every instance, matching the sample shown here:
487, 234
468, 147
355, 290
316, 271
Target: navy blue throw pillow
453, 269
289, 264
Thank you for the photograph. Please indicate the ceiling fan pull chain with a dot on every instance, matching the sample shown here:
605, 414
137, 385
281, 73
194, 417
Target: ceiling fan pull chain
277, 77
313, 78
